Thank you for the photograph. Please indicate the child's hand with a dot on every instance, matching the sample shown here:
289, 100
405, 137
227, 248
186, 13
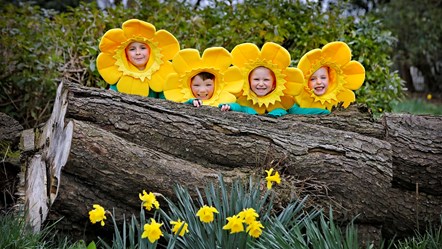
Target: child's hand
225, 107
197, 102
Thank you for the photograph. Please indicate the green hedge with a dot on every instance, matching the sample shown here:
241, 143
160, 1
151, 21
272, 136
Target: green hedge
41, 47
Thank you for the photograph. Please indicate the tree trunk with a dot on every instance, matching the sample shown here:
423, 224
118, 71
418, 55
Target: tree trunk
113, 146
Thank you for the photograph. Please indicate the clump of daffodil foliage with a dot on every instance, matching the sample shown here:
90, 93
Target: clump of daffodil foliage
236, 215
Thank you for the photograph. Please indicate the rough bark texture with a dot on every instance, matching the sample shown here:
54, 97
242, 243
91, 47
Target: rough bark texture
119, 145
10, 131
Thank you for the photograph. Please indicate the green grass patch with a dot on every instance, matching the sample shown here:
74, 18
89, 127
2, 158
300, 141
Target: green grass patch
417, 106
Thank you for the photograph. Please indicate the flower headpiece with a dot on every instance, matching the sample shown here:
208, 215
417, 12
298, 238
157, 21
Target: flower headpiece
247, 57
115, 68
188, 63
345, 75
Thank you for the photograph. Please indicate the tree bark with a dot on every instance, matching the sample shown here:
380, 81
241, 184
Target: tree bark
119, 144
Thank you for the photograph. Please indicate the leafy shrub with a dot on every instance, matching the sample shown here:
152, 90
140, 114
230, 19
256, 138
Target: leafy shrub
41, 47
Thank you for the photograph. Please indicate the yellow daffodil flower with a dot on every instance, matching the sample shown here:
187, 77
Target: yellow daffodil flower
289, 80
216, 60
206, 213
234, 224
152, 231
149, 200
114, 67
248, 215
255, 229
429, 96
98, 214
177, 225
345, 75
272, 178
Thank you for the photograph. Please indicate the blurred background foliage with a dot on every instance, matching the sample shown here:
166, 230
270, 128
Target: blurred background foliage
44, 42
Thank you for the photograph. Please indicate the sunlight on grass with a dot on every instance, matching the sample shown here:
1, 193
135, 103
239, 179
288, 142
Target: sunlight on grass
417, 106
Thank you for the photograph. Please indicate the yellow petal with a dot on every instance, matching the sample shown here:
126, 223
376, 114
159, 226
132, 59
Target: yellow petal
111, 40
217, 57
130, 85
225, 97
308, 60
293, 89
160, 76
354, 74
107, 68
286, 102
186, 59
294, 75
167, 43
337, 52
172, 82
276, 54
244, 53
346, 96
135, 28
233, 80
175, 95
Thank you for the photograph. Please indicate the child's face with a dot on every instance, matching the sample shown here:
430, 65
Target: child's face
202, 89
319, 81
261, 81
138, 54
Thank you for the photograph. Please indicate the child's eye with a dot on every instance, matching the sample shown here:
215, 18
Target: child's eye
196, 85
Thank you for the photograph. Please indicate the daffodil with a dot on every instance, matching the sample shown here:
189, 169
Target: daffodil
98, 214
114, 67
345, 75
206, 213
255, 229
149, 200
216, 60
272, 178
248, 215
177, 225
152, 231
288, 80
234, 224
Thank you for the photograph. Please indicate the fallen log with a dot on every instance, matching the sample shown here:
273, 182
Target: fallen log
105, 147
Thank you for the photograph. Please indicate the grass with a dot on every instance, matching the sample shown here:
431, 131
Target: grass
14, 233
418, 106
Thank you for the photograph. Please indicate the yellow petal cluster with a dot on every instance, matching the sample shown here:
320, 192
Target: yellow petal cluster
272, 178
255, 229
114, 67
289, 80
248, 216
188, 63
152, 231
345, 75
234, 224
206, 213
97, 214
149, 200
177, 225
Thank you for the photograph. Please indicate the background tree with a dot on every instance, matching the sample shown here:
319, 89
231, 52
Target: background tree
40, 47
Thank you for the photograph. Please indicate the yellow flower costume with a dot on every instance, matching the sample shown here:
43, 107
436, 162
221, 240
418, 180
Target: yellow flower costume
217, 61
345, 75
115, 68
247, 57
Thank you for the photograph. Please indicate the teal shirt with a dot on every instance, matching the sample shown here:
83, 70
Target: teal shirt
278, 112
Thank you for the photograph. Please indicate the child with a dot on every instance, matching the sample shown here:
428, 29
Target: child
138, 54
135, 59
269, 82
202, 85
208, 79
318, 82
330, 77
